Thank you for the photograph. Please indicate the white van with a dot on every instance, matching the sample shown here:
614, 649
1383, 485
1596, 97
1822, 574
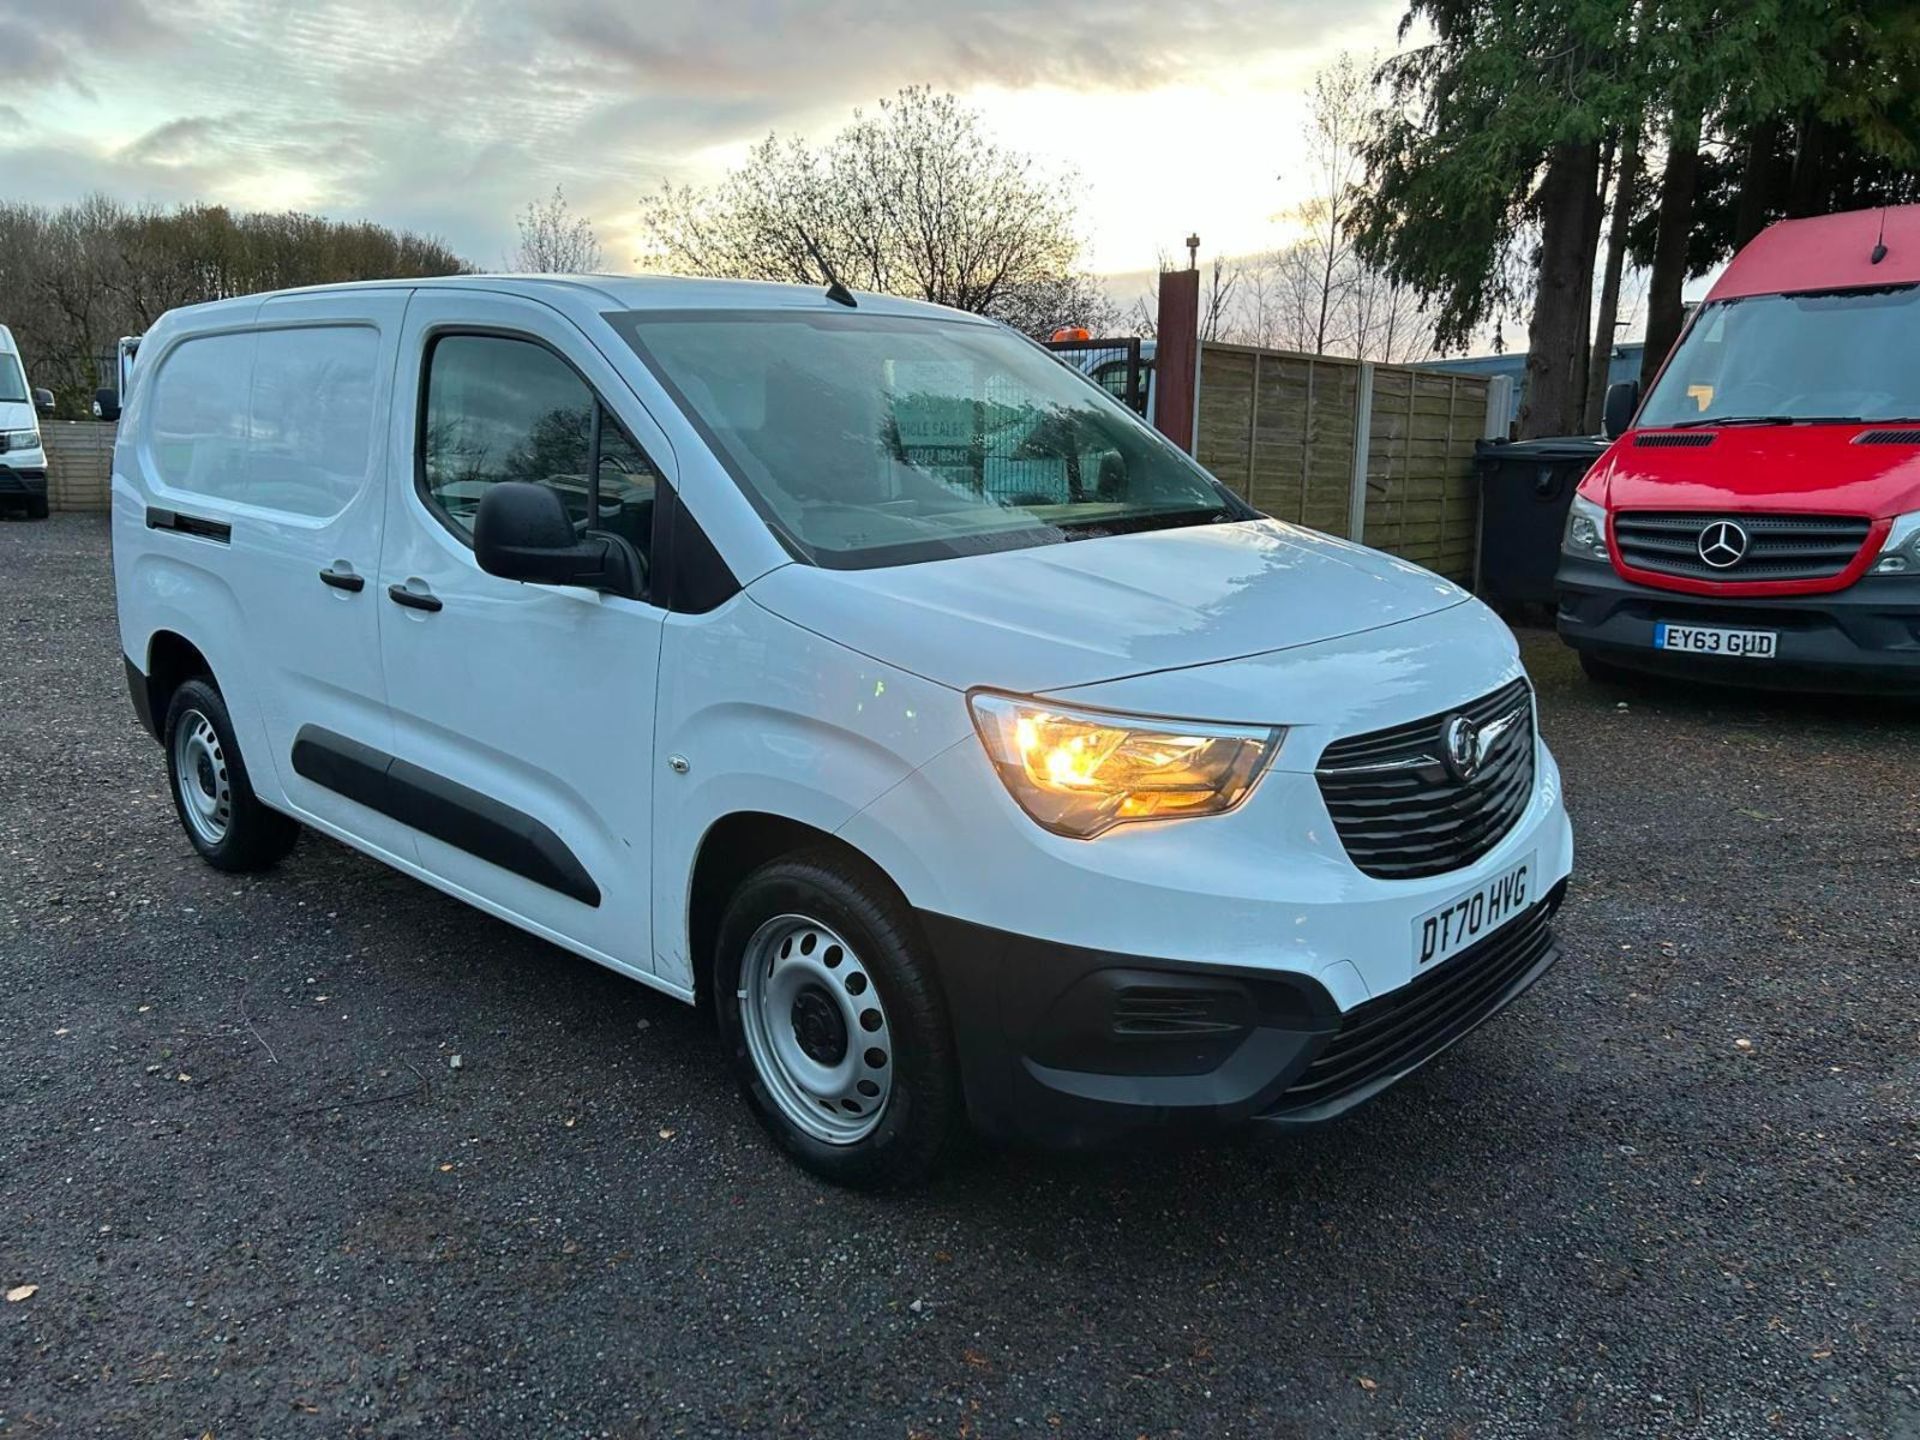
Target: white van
857, 669
23, 456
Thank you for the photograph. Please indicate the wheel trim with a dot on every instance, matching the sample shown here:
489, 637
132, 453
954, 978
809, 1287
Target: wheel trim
201, 778
792, 965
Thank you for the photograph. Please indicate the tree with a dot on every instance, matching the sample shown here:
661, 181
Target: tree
914, 199
555, 241
75, 279
1821, 112
1626, 181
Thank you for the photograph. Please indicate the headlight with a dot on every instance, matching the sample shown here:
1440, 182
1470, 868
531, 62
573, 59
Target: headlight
1080, 772
1901, 554
19, 439
1586, 534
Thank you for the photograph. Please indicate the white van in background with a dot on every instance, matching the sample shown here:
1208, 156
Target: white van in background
702, 629
23, 455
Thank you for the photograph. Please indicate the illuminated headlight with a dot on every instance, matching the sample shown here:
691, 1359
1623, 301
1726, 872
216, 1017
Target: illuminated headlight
1081, 772
1901, 554
1586, 534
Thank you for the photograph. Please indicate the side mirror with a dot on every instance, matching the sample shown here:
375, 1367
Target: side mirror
1623, 398
43, 401
522, 532
106, 403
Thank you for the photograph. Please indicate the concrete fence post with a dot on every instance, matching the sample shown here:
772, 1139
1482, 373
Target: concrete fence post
1362, 453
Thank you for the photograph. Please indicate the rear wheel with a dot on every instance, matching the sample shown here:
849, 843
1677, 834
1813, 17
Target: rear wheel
227, 824
833, 1021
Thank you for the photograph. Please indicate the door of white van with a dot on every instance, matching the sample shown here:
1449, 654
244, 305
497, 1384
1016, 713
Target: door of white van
523, 714
263, 449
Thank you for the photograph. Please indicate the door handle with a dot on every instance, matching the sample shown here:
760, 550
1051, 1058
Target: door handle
341, 577
413, 599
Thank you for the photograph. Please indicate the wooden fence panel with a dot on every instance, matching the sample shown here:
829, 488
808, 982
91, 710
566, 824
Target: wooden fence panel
79, 464
1282, 430
1279, 428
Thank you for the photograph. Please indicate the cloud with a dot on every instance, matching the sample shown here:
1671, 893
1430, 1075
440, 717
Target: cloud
45, 40
448, 118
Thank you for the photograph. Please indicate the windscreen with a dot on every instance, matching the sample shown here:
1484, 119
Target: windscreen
871, 440
1839, 356
13, 385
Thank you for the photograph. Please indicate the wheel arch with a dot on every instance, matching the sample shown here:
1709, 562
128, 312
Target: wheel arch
733, 847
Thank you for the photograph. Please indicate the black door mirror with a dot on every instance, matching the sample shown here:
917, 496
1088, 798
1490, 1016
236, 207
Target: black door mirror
106, 403
43, 401
1623, 398
523, 532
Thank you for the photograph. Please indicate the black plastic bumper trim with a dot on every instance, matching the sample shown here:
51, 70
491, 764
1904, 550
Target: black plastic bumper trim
142, 695
1050, 1050
446, 810
1865, 638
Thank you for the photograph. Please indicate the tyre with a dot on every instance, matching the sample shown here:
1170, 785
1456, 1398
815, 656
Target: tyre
1605, 672
227, 824
834, 1023
37, 507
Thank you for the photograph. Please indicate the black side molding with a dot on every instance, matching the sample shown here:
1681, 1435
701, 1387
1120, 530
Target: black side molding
158, 519
434, 805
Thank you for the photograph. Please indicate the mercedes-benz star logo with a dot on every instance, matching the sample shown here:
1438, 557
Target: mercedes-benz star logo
1723, 544
1460, 746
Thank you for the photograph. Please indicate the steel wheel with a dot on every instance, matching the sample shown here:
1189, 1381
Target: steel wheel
815, 1029
201, 776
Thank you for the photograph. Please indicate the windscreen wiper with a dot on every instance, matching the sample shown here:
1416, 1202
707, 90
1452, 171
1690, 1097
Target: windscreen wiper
1732, 420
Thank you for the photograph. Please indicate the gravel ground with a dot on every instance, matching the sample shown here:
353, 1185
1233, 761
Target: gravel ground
1676, 1191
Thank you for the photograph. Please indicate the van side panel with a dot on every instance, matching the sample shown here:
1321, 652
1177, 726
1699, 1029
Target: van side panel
771, 718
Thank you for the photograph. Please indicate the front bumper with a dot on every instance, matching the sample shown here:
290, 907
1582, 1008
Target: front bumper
1068, 1046
22, 481
1863, 638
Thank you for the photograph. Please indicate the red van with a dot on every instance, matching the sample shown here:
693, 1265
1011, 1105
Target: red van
1758, 520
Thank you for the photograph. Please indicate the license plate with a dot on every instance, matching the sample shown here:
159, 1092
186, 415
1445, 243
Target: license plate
1472, 916
1704, 640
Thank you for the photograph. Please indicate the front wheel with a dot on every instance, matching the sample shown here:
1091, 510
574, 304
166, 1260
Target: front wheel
1608, 673
834, 1023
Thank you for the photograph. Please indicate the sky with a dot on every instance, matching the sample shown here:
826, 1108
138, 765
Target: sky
449, 116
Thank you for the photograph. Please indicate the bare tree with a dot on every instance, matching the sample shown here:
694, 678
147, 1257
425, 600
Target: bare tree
1316, 294
913, 199
555, 241
75, 279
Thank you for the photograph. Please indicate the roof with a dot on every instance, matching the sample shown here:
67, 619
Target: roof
638, 292
1827, 252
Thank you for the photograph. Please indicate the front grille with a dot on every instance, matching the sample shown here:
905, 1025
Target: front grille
1778, 547
1384, 1038
1403, 814
1675, 440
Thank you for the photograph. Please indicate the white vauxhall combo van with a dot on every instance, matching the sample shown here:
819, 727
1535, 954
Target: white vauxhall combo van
850, 665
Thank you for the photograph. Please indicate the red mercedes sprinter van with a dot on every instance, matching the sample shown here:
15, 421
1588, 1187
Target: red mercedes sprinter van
1758, 520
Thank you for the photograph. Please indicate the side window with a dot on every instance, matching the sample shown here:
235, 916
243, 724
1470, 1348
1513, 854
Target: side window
504, 409
310, 432
197, 420
281, 419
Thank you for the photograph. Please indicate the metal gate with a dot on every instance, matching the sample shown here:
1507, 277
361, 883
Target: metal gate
1114, 365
